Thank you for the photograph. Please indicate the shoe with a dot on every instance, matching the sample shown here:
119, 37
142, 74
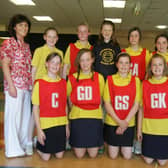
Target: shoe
137, 148
29, 150
68, 146
101, 150
34, 141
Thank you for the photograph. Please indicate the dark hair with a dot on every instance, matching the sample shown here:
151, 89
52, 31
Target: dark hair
16, 19
123, 54
113, 38
52, 55
135, 29
77, 61
158, 36
50, 28
149, 71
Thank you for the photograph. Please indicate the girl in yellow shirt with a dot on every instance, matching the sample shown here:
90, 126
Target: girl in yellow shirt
85, 89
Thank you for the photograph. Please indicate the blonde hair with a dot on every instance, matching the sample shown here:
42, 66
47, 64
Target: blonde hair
83, 24
149, 71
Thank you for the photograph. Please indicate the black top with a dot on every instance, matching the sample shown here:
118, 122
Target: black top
105, 55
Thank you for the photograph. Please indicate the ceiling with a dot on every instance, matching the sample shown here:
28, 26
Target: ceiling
67, 14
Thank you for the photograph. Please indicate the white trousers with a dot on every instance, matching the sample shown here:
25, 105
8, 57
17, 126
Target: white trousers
16, 122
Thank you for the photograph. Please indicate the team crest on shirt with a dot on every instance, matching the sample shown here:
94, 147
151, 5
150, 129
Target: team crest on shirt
107, 56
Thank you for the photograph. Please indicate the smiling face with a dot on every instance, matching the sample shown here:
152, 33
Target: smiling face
107, 32
157, 67
21, 30
123, 65
53, 66
83, 33
51, 38
162, 44
134, 38
86, 62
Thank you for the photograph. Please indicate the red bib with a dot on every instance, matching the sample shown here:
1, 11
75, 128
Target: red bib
122, 97
85, 92
73, 53
53, 98
155, 100
138, 64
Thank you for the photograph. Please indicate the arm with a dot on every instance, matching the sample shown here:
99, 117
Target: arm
139, 124
122, 123
6, 70
34, 70
64, 70
131, 114
40, 134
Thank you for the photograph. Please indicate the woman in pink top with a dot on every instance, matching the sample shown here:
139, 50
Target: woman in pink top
16, 64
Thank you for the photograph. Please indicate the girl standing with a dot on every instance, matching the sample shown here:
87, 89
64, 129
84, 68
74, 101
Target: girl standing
161, 45
16, 65
73, 48
85, 89
106, 50
49, 108
139, 56
154, 133
121, 100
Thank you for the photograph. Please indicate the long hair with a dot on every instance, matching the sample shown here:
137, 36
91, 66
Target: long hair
77, 61
149, 71
113, 38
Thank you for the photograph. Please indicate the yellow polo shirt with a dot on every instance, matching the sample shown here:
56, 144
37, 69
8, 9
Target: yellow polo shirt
47, 122
77, 112
67, 53
39, 59
155, 126
131, 52
120, 81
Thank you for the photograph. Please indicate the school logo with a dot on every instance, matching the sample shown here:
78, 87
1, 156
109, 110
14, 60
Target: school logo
134, 69
158, 100
107, 56
121, 102
84, 93
55, 100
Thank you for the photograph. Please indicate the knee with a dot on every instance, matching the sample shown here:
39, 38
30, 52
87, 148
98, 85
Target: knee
92, 155
59, 155
79, 156
148, 160
45, 158
162, 162
113, 155
127, 156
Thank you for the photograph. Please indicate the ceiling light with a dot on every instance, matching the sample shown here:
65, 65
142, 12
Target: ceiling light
43, 18
114, 20
23, 2
113, 4
161, 26
4, 38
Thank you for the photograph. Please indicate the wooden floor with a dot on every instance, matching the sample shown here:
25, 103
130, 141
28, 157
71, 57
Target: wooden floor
69, 160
